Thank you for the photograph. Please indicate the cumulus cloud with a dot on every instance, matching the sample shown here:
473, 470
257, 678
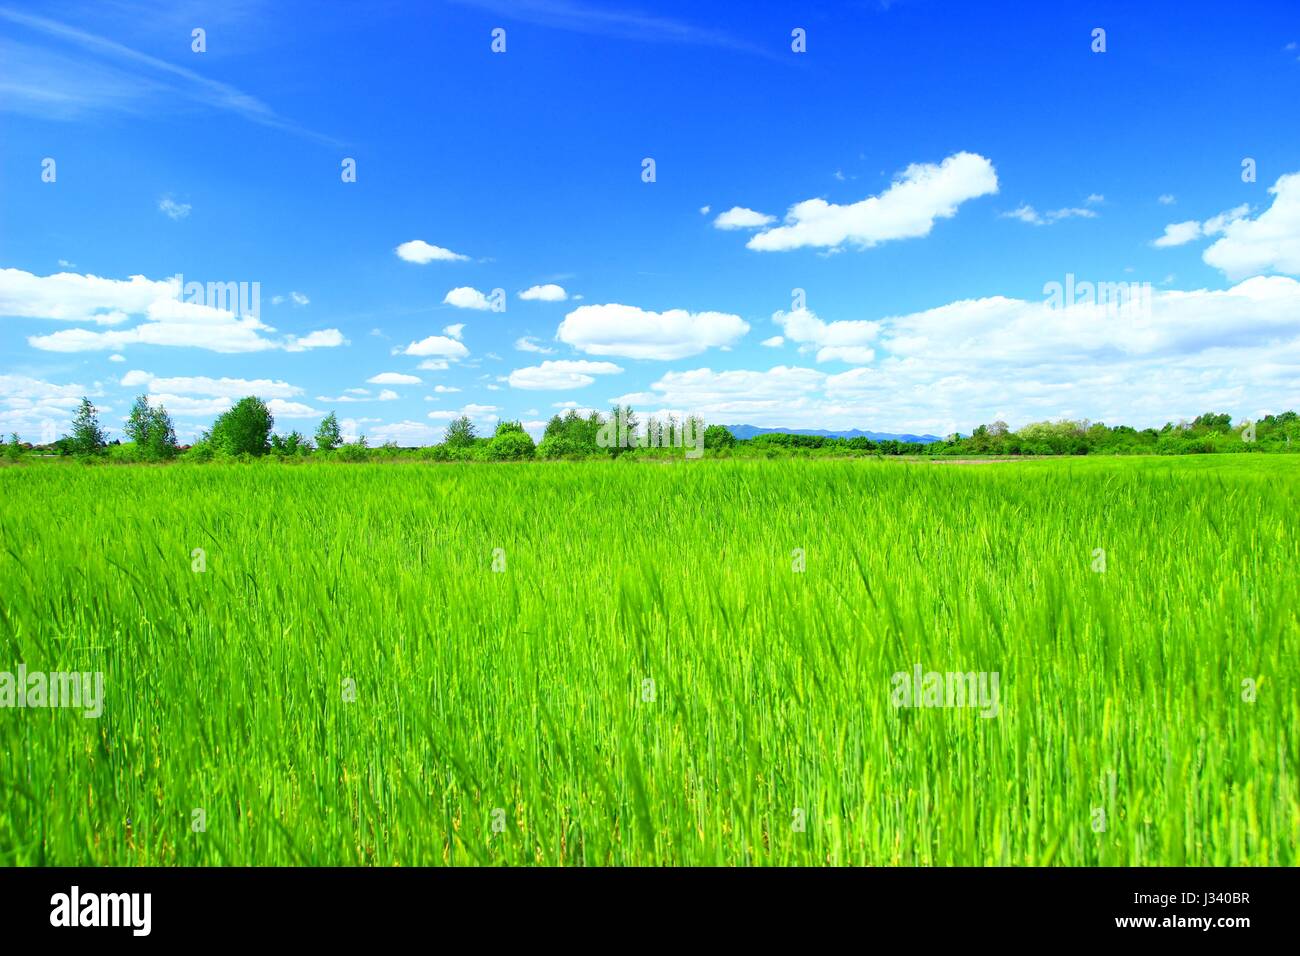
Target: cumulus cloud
38, 410
168, 319
631, 332
360, 395
529, 343
1180, 233
922, 193
465, 297
421, 253
560, 374
282, 409
479, 414
321, 339
544, 293
393, 378
775, 342
1268, 243
454, 330
214, 387
954, 366
844, 341
406, 433
442, 346
738, 217
172, 209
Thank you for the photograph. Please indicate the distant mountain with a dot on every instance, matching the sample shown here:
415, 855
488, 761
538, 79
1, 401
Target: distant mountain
749, 431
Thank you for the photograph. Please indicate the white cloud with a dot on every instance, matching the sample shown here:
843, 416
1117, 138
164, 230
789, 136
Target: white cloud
704, 210
628, 331
299, 298
954, 366
439, 345
168, 320
728, 397
480, 414
844, 341
454, 331
421, 252
405, 433
1180, 233
360, 395
561, 374
1167, 199
775, 342
282, 409
117, 357
393, 378
172, 209
530, 344
550, 292
213, 387
36, 409
738, 217
1268, 243
445, 389
465, 297
1027, 213
433, 365
320, 339
923, 193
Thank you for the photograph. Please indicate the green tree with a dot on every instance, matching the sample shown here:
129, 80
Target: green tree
151, 430
87, 436
328, 436
460, 433
294, 443
245, 429
718, 436
13, 447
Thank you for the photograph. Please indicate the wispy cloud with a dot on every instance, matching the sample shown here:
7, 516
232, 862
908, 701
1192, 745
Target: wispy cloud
36, 74
623, 24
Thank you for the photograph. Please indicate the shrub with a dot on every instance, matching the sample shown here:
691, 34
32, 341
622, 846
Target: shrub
559, 446
511, 445
353, 451
200, 451
718, 436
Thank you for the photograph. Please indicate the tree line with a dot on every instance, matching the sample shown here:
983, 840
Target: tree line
246, 431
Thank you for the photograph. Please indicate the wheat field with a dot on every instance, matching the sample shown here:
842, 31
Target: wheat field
627, 663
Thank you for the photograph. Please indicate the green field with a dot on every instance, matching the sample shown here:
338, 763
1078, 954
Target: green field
504, 717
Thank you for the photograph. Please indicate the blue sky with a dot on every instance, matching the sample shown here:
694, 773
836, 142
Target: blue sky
1002, 152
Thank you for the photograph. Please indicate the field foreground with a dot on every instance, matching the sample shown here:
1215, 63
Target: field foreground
639, 663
